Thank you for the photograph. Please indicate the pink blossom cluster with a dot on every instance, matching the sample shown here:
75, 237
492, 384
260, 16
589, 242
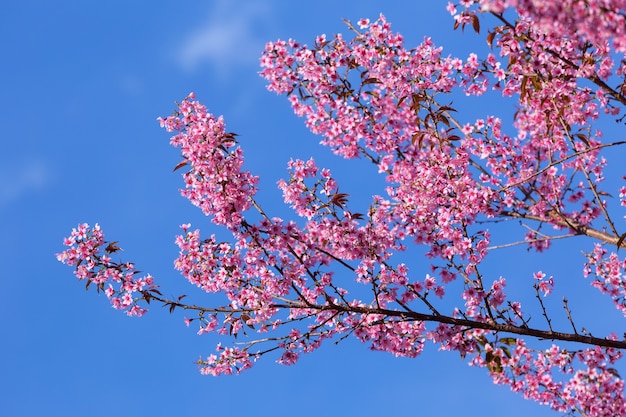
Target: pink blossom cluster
229, 359
382, 118
216, 182
545, 285
582, 381
609, 272
298, 195
386, 116
93, 263
600, 22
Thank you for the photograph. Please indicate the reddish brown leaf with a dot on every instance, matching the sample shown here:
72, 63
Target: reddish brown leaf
522, 89
180, 165
357, 216
490, 37
370, 81
475, 23
112, 248
339, 199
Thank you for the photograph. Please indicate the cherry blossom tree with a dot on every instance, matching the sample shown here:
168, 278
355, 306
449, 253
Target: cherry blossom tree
331, 271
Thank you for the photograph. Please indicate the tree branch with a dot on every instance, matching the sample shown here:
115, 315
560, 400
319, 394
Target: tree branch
572, 224
523, 330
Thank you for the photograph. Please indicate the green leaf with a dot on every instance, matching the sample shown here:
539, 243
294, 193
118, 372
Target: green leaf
508, 341
506, 351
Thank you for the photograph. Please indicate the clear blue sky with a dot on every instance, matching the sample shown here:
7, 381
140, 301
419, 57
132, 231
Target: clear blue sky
82, 83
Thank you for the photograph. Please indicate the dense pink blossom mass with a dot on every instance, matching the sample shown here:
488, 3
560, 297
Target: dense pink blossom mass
330, 272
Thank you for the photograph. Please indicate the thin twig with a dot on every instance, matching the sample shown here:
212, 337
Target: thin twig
522, 242
543, 307
569, 315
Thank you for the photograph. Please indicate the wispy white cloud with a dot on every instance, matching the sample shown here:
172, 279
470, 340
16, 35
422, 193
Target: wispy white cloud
231, 37
17, 181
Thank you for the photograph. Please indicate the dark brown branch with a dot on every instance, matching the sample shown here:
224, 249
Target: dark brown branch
523, 330
496, 327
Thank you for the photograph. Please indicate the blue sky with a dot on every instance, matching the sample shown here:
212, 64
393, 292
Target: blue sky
82, 84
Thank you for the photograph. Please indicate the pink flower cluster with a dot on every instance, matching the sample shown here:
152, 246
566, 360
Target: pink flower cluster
436, 195
582, 381
545, 285
93, 263
229, 359
600, 22
215, 182
609, 272
389, 119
